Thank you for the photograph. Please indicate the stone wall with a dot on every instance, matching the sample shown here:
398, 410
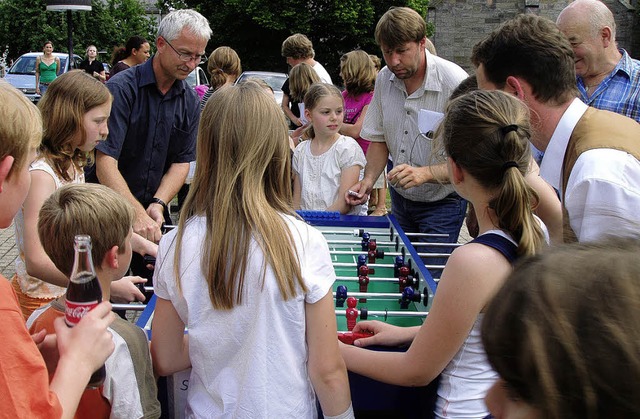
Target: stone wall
460, 24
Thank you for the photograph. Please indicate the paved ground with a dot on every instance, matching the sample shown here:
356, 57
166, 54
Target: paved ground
9, 250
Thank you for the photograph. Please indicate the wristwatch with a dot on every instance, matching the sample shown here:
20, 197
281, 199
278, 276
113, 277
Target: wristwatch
155, 200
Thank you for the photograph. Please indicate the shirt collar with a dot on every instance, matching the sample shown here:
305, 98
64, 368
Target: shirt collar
432, 79
551, 167
147, 76
625, 65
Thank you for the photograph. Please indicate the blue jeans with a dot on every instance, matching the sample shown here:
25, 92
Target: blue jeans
43, 88
445, 216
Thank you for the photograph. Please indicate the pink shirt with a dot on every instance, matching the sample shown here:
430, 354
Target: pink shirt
353, 110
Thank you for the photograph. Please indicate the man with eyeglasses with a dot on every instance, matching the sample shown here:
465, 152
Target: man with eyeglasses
154, 122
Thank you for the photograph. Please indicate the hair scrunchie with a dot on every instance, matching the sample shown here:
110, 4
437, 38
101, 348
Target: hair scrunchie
509, 165
508, 129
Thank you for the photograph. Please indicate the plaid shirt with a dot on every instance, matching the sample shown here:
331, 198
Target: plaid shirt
620, 91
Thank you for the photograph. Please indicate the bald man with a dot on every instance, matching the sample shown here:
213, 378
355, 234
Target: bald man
607, 77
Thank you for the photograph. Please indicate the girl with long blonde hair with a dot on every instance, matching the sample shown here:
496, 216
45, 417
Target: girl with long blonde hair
250, 281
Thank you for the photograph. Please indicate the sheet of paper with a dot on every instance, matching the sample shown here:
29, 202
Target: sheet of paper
428, 121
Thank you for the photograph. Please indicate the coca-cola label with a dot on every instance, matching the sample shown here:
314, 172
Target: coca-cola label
75, 311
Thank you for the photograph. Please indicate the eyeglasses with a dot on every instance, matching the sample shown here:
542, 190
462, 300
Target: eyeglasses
198, 59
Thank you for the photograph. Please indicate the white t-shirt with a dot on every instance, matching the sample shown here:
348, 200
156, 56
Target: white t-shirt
320, 175
250, 361
322, 73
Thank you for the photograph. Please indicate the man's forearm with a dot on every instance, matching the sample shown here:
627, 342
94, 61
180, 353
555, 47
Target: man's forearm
439, 173
172, 181
109, 175
377, 156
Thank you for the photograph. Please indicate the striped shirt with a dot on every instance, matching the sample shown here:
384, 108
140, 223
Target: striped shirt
619, 92
392, 117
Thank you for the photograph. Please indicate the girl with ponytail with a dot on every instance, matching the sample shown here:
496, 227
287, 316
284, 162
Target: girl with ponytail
484, 138
224, 69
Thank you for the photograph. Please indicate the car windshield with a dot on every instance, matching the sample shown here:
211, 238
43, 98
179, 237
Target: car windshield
274, 80
192, 79
27, 65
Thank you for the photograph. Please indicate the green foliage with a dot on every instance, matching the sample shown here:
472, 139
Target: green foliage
256, 28
165, 6
25, 25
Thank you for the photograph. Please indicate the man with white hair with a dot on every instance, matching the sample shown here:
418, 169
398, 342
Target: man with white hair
154, 122
153, 126
607, 77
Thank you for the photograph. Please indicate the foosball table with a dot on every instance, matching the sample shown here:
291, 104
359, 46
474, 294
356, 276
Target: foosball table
380, 276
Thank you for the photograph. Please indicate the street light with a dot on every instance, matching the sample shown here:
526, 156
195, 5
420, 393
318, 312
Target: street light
68, 6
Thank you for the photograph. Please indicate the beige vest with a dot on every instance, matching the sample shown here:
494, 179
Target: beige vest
597, 129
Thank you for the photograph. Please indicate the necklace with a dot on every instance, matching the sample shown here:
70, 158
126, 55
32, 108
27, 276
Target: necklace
587, 87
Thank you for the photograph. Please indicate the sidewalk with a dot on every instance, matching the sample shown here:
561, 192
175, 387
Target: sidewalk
8, 252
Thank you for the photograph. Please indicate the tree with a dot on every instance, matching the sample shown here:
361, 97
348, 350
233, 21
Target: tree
256, 28
25, 25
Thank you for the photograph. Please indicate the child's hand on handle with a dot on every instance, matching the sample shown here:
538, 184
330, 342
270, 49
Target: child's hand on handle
382, 333
127, 289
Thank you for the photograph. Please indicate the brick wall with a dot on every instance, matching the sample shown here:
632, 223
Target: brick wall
460, 24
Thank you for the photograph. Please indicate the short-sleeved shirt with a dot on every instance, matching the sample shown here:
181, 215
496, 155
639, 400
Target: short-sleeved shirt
90, 67
619, 92
118, 67
353, 107
392, 117
250, 361
322, 73
320, 175
149, 131
24, 379
129, 389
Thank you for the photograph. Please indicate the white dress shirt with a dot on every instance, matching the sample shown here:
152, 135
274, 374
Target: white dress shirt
602, 196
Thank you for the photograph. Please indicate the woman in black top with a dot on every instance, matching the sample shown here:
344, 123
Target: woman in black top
93, 66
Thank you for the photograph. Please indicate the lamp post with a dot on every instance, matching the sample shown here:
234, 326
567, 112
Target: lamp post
68, 6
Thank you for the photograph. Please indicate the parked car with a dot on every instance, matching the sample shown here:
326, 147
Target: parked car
275, 80
198, 81
197, 78
22, 74
107, 70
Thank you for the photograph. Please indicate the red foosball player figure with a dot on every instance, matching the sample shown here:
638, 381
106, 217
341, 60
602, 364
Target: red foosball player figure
351, 313
363, 280
374, 253
350, 337
402, 278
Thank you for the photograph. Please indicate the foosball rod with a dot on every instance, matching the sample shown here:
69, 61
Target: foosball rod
380, 295
356, 252
393, 244
132, 307
371, 279
391, 233
384, 313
